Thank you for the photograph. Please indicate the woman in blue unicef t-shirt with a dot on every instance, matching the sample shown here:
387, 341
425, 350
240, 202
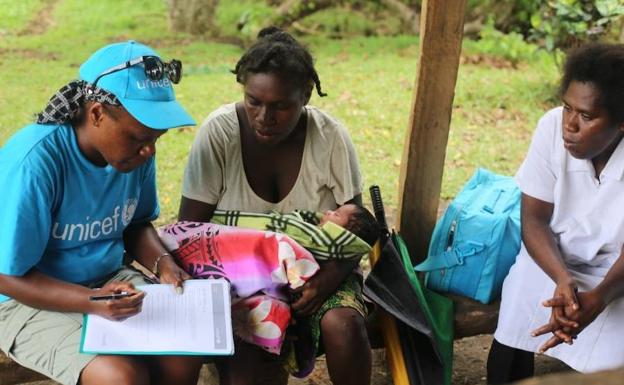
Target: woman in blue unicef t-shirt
79, 188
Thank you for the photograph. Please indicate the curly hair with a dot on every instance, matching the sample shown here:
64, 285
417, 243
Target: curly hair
363, 224
603, 66
279, 53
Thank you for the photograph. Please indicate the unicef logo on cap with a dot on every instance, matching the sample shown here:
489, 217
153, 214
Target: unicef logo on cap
128, 211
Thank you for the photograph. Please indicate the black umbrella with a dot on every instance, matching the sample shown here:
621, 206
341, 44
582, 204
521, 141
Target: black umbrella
418, 325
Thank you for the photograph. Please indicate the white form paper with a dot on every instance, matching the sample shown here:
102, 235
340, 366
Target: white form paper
196, 322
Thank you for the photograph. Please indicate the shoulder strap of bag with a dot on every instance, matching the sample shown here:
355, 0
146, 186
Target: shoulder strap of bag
450, 258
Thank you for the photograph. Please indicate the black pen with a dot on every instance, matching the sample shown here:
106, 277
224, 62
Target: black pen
107, 297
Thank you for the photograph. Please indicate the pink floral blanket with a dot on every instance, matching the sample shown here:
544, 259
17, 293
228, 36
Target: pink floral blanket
260, 266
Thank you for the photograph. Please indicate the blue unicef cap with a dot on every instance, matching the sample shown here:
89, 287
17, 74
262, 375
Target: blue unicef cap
151, 102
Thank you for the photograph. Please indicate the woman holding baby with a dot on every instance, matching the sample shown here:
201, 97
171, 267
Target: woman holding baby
272, 151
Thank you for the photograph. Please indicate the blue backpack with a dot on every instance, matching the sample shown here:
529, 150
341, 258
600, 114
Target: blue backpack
477, 239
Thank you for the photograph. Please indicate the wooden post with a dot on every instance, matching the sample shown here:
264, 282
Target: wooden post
424, 150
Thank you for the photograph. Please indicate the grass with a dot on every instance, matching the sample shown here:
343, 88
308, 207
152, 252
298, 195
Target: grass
499, 95
15, 14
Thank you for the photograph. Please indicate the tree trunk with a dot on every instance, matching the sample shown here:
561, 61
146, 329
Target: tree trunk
193, 16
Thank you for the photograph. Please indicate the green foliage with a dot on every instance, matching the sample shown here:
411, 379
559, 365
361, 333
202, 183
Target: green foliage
369, 81
243, 18
552, 24
510, 46
565, 23
340, 22
354, 18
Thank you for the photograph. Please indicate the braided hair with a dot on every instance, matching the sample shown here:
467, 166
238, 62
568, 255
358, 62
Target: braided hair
278, 52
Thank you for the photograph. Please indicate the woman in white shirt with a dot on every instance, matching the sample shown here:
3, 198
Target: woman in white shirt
568, 280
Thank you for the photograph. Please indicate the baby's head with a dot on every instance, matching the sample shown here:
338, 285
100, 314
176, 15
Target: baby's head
356, 219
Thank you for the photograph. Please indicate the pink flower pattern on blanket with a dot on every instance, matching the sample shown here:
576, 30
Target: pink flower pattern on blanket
261, 320
260, 266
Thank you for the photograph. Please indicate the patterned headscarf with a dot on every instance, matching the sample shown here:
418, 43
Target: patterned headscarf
67, 103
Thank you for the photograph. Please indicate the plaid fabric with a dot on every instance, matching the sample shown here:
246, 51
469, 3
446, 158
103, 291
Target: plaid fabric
329, 241
67, 102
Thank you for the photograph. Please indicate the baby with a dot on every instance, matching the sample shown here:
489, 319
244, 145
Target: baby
263, 255
345, 233
356, 219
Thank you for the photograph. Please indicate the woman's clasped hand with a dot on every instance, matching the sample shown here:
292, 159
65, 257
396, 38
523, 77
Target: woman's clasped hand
572, 311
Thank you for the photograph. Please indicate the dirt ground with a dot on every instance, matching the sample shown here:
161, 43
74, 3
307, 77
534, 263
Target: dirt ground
470, 356
469, 366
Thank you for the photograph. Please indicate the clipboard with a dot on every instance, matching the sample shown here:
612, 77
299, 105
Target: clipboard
198, 322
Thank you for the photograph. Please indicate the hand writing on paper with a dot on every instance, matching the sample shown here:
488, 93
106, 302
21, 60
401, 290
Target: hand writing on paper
118, 309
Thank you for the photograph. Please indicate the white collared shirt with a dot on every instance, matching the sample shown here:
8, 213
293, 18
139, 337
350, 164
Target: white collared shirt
588, 216
588, 223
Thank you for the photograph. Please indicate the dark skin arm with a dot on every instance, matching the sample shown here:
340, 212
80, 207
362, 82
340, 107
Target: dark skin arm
541, 245
612, 286
325, 282
142, 242
195, 211
41, 291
